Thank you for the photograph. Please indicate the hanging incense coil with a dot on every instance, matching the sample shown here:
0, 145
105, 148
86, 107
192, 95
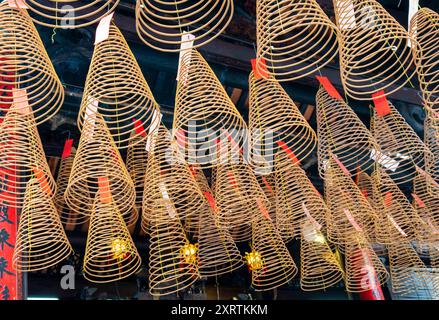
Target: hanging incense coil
431, 140
407, 270
296, 198
69, 14
98, 156
203, 108
116, 88
434, 254
110, 254
426, 198
168, 178
27, 76
342, 133
277, 266
285, 130
350, 212
161, 24
424, 29
218, 253
170, 268
41, 240
400, 147
426, 203
319, 266
374, 49
21, 157
394, 210
364, 270
295, 38
239, 199
68, 217
137, 157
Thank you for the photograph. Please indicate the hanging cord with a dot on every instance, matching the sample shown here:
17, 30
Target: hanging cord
56, 19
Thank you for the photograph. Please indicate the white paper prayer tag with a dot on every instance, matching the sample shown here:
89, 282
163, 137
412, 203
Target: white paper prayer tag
20, 101
17, 4
103, 29
325, 164
90, 111
187, 42
384, 160
396, 225
352, 220
164, 191
310, 233
165, 195
317, 225
369, 280
368, 17
346, 14
413, 8
90, 117
153, 128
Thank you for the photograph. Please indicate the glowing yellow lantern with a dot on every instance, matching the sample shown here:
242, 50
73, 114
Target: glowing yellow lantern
189, 252
119, 248
254, 260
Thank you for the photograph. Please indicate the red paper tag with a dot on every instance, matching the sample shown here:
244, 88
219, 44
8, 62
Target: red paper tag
181, 138
364, 192
211, 200
232, 179
388, 199
330, 89
418, 201
341, 165
39, 174
219, 147
67, 148
263, 209
139, 128
267, 185
193, 170
233, 142
357, 178
104, 189
382, 107
288, 151
259, 67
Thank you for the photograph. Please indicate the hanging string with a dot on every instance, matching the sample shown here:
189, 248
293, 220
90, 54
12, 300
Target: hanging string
56, 19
